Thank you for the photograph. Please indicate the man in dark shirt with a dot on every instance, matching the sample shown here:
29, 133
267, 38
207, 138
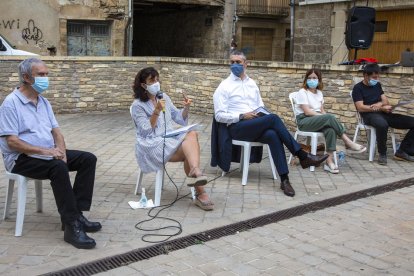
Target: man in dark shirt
376, 111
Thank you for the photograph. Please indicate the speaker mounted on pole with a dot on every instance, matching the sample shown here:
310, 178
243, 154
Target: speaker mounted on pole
360, 27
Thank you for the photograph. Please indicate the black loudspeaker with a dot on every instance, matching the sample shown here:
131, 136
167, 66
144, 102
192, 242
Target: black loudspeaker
360, 28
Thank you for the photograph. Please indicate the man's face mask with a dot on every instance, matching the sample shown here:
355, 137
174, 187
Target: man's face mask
154, 88
237, 69
372, 82
40, 84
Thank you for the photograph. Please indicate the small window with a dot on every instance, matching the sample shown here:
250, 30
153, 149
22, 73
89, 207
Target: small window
99, 30
76, 29
381, 26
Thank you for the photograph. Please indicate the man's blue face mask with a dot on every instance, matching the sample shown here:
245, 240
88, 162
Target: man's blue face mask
237, 69
40, 84
373, 82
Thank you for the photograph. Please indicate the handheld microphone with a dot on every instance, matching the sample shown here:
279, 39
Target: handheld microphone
160, 96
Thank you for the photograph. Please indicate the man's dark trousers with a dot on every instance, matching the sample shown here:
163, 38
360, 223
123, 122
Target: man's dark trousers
270, 130
70, 201
381, 121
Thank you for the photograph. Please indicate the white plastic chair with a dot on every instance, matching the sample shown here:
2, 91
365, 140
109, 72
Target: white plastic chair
245, 158
313, 135
159, 179
372, 138
21, 198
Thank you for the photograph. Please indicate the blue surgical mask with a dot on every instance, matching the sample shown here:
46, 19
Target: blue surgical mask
40, 84
372, 82
237, 69
313, 83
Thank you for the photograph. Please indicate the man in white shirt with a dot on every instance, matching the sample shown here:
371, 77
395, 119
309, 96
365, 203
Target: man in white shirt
235, 100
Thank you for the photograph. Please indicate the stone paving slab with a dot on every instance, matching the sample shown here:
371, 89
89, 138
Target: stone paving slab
370, 236
111, 138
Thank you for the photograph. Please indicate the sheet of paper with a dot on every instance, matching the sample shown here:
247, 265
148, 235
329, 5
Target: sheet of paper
137, 205
262, 110
180, 130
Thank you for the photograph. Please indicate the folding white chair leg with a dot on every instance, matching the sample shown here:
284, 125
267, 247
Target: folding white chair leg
139, 181
272, 163
394, 146
21, 204
314, 147
39, 195
159, 179
356, 134
335, 158
372, 144
291, 155
9, 197
245, 168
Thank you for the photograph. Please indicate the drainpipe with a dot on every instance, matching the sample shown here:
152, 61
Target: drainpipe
130, 27
292, 27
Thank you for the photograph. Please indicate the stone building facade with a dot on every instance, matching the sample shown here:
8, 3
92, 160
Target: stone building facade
103, 84
41, 26
320, 26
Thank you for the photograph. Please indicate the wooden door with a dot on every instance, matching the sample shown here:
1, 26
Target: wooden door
394, 34
257, 43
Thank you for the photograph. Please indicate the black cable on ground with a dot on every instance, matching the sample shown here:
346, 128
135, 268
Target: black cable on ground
178, 227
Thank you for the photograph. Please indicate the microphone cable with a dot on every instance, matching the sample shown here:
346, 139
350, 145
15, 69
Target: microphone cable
177, 225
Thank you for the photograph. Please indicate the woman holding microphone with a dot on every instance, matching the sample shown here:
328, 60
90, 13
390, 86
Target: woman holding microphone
153, 113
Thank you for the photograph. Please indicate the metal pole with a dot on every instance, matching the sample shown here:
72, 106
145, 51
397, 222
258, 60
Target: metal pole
130, 27
292, 27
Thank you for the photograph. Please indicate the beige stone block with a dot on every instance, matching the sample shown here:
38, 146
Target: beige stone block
100, 65
114, 104
87, 99
81, 104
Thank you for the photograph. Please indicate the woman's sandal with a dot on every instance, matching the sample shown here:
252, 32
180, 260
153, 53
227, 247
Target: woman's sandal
205, 205
199, 180
356, 148
331, 168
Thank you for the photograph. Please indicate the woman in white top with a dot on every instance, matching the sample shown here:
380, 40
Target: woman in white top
311, 116
153, 117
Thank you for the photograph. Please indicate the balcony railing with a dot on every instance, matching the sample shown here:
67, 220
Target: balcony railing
263, 7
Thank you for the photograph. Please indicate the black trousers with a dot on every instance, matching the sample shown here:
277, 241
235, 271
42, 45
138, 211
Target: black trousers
70, 201
270, 130
381, 121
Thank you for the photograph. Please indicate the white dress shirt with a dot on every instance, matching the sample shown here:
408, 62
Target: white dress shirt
235, 96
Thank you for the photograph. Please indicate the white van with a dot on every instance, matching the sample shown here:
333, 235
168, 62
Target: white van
7, 50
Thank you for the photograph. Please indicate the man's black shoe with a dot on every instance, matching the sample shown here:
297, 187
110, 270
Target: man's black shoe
75, 235
403, 156
287, 188
87, 226
313, 160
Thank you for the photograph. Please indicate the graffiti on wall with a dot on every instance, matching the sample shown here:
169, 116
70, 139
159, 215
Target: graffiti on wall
29, 33
32, 32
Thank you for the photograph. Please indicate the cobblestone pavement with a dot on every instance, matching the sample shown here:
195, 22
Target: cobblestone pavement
111, 138
370, 236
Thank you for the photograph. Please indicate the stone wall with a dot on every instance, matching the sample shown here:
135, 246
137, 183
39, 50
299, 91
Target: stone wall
43, 25
313, 34
81, 85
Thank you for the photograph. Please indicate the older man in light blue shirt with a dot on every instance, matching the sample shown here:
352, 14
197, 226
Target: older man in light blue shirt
33, 146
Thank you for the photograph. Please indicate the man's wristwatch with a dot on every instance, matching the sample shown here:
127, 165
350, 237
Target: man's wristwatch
241, 116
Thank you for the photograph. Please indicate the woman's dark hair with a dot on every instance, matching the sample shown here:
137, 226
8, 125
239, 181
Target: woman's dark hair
141, 77
318, 73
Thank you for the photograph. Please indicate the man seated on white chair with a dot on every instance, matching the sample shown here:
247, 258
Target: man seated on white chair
235, 100
374, 107
33, 146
